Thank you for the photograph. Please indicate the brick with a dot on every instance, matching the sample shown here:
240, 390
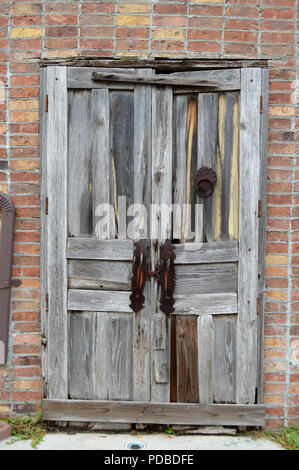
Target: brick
126, 20
26, 9
61, 20
164, 9
165, 33
133, 8
25, 32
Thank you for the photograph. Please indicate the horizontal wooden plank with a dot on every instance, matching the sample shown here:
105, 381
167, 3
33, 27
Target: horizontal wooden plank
212, 252
81, 78
92, 248
206, 278
98, 301
165, 80
155, 413
229, 79
97, 274
206, 304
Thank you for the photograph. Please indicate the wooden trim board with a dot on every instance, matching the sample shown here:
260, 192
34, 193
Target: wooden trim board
158, 413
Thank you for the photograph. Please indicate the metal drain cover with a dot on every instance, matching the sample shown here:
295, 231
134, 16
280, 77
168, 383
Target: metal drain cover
135, 445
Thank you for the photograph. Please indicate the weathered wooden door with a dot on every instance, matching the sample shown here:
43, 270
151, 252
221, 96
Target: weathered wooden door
116, 145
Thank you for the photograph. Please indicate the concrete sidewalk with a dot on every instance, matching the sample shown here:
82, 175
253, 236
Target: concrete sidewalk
158, 441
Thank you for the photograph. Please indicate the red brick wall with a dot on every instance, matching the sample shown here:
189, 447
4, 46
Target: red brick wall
264, 29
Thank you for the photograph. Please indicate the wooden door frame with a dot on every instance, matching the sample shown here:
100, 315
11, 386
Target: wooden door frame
56, 409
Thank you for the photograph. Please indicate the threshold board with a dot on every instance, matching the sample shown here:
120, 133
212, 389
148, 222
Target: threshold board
153, 413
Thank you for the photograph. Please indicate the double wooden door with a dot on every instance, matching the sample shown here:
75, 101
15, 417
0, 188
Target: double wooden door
120, 152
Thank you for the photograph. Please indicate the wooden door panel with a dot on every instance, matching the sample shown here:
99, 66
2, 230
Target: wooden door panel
100, 369
108, 275
206, 278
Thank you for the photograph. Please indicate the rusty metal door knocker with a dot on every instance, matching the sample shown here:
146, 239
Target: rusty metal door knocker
205, 181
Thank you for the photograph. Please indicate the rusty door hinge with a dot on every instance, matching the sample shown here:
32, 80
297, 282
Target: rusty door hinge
258, 306
155, 273
46, 103
46, 206
261, 105
47, 302
259, 211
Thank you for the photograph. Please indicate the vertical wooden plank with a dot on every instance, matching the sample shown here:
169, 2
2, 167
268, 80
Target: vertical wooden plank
79, 164
226, 191
262, 232
112, 363
100, 161
207, 152
205, 329
142, 195
121, 149
81, 337
249, 167
161, 224
57, 231
43, 229
224, 367
187, 359
173, 366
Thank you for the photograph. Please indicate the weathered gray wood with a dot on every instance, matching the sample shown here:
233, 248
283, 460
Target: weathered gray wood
80, 78
44, 229
206, 304
122, 150
160, 223
100, 163
57, 231
224, 360
113, 361
216, 80
98, 301
159, 413
109, 275
206, 278
205, 330
142, 195
81, 344
217, 252
160, 347
79, 163
91, 248
249, 166
262, 233
207, 152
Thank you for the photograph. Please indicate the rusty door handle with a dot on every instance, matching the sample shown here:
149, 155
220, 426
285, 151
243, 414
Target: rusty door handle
205, 181
167, 277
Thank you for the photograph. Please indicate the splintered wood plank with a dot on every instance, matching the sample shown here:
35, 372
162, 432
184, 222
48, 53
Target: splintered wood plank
161, 349
98, 300
250, 148
213, 252
57, 231
226, 194
159, 413
187, 359
184, 167
222, 79
122, 150
91, 248
79, 163
224, 363
142, 196
206, 278
113, 357
205, 329
207, 153
161, 225
206, 304
108, 275
81, 340
80, 78
102, 227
